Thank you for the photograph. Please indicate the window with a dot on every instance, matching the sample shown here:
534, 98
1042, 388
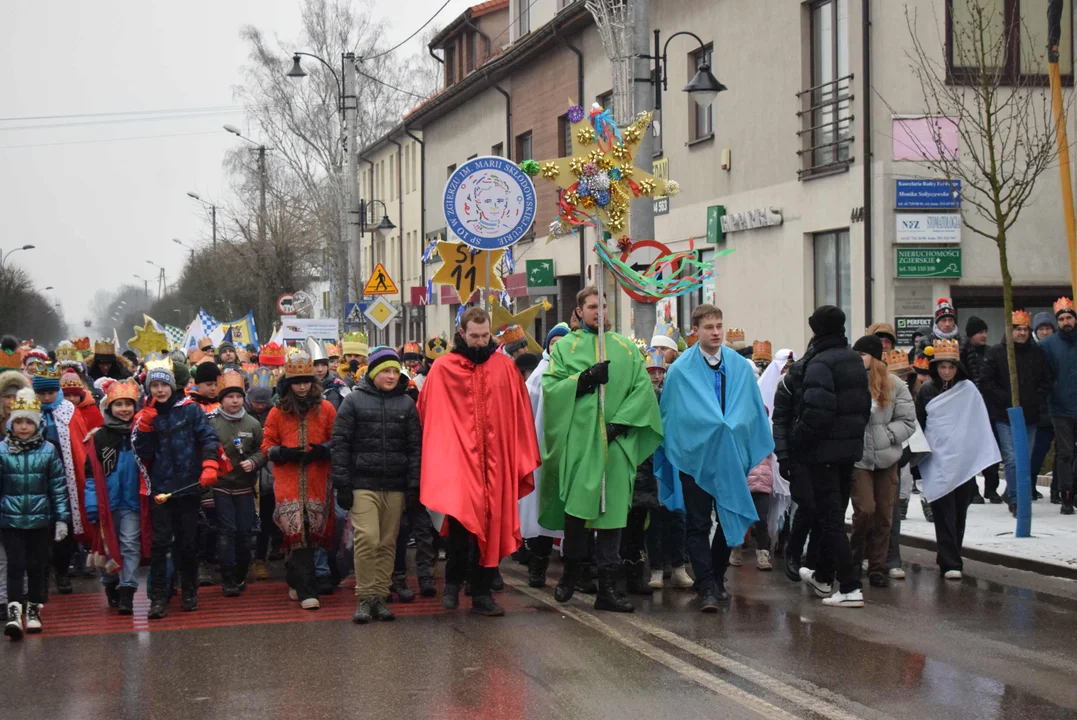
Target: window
472, 157
564, 136
825, 115
498, 150
702, 118
450, 65
472, 51
656, 123
450, 170
523, 146
414, 169
1015, 39
392, 177
833, 274
524, 18
605, 100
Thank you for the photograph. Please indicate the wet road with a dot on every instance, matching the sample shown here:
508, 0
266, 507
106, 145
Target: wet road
1000, 644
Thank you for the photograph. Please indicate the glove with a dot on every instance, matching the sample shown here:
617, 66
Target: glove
345, 498
614, 431
147, 416
318, 452
353, 366
592, 377
287, 454
209, 473
411, 498
785, 468
61, 531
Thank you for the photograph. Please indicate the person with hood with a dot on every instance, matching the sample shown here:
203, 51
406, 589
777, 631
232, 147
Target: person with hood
779, 523
958, 430
875, 477
885, 333
1061, 351
33, 511
105, 364
122, 508
75, 391
973, 356
539, 540
595, 440
376, 453
1034, 379
832, 406
719, 431
178, 449
1043, 327
479, 453
296, 439
10, 384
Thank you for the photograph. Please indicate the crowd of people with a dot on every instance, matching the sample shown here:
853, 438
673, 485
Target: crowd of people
636, 460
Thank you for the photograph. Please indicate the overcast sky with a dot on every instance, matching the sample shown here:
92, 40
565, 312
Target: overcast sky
97, 203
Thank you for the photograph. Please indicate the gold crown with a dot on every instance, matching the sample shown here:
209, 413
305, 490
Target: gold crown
332, 350
66, 352
1064, 304
205, 344
230, 380
11, 360
733, 335
897, 361
122, 390
104, 347
1021, 318
510, 333
436, 347
922, 362
946, 350
71, 380
298, 365
45, 370
26, 401
761, 350
157, 361
412, 348
82, 344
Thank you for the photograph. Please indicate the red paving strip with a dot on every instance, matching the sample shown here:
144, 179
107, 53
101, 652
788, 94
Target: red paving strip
263, 603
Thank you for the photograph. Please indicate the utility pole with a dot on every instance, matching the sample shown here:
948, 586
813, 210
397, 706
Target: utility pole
262, 222
351, 121
641, 220
213, 213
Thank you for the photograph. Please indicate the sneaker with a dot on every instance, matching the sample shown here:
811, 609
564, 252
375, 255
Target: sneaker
896, 573
450, 596
379, 612
952, 574
854, 599
792, 566
1056, 499
205, 577
190, 600
158, 608
230, 589
679, 579
928, 515
655, 583
863, 566
362, 613
33, 618
126, 605
1066, 509
878, 580
821, 589
903, 507
292, 594
63, 584
1036, 494
427, 588
484, 605
260, 571
736, 557
13, 629
310, 604
762, 560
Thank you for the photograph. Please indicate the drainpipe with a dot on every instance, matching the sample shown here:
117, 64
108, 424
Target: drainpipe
869, 255
508, 116
579, 99
422, 219
362, 221
400, 234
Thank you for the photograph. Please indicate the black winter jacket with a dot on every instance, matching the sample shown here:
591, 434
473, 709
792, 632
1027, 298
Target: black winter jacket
377, 440
783, 417
833, 404
1034, 380
972, 357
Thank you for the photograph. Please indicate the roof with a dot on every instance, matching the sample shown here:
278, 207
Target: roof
475, 11
487, 7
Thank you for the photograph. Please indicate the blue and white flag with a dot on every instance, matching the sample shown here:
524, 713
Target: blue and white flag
429, 292
430, 251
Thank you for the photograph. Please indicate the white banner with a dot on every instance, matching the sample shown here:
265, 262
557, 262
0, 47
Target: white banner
300, 328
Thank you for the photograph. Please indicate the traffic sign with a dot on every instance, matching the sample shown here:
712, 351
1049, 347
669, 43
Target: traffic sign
381, 313
380, 283
286, 304
467, 269
353, 313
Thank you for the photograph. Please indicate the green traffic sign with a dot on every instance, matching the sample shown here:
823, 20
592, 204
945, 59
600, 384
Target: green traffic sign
540, 274
714, 224
928, 262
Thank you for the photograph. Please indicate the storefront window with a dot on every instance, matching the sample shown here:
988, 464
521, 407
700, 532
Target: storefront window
833, 274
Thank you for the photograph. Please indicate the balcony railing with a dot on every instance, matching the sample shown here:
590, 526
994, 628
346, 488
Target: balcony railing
826, 121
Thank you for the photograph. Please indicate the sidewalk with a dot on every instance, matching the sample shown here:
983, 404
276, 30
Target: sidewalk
989, 536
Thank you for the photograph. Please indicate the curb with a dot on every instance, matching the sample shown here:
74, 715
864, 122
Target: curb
995, 558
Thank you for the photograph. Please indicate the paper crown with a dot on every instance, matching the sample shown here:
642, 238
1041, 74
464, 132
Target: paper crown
733, 335
922, 363
45, 370
897, 361
668, 330
332, 350
272, 355
230, 380
205, 344
264, 377
71, 381
691, 338
122, 390
104, 347
1021, 319
25, 401
945, 350
412, 351
355, 343
82, 345
66, 352
510, 334
243, 355
298, 364
1064, 304
157, 361
436, 347
656, 359
11, 360
761, 350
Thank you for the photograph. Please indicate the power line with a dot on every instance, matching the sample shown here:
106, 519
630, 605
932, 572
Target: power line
214, 108
392, 87
409, 37
101, 140
114, 121
518, 18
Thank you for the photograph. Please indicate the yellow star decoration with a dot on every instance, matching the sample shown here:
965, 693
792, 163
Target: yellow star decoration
465, 271
148, 340
525, 319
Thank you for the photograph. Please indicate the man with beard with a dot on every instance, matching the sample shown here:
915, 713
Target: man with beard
1061, 350
973, 355
479, 453
105, 364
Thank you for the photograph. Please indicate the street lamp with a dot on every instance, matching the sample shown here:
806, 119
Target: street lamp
3, 257
703, 87
145, 284
160, 279
180, 242
213, 212
384, 225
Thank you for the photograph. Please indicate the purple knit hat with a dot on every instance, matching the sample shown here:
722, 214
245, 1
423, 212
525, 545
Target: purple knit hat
381, 358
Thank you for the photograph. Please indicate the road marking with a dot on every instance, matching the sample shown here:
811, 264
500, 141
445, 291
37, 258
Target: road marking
662, 657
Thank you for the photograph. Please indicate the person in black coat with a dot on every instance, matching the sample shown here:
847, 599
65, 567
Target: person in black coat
1034, 380
800, 489
973, 354
833, 405
376, 451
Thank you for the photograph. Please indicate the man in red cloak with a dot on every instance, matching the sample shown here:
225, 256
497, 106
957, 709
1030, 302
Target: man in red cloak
479, 453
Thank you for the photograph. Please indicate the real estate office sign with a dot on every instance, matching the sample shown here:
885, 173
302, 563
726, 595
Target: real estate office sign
925, 228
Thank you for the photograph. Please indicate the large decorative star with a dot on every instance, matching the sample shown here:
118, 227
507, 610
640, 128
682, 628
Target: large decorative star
466, 269
525, 318
148, 340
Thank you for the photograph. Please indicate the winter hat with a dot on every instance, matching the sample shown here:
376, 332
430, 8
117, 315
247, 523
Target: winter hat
45, 379
182, 374
1041, 319
527, 363
381, 358
159, 369
557, 331
871, 345
26, 405
974, 326
206, 372
412, 351
11, 383
260, 394
945, 308
827, 320
71, 384
883, 330
225, 345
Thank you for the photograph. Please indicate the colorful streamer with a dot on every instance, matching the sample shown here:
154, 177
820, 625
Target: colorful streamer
689, 273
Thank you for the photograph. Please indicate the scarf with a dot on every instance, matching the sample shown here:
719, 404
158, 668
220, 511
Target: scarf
943, 335
114, 423
234, 418
476, 355
29, 444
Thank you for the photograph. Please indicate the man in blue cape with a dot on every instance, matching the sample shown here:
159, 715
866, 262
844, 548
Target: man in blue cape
718, 432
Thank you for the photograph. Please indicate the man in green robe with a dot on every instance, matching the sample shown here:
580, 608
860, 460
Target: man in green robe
591, 453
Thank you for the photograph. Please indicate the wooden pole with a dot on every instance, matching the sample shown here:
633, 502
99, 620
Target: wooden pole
1064, 170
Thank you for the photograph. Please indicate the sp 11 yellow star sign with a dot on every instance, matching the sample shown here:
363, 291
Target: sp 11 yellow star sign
466, 269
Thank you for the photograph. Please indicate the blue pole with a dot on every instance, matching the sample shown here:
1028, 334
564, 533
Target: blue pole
1021, 460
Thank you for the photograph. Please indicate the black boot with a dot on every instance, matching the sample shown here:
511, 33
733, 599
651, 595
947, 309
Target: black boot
497, 583
566, 586
485, 605
126, 598
400, 587
1067, 504
63, 584
427, 588
792, 565
450, 596
536, 571
112, 595
585, 582
977, 498
190, 599
158, 608
635, 582
608, 597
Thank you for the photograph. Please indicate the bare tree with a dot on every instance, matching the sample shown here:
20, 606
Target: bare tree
27, 313
1003, 124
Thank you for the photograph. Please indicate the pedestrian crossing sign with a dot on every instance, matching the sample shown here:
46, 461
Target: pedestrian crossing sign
353, 313
380, 283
